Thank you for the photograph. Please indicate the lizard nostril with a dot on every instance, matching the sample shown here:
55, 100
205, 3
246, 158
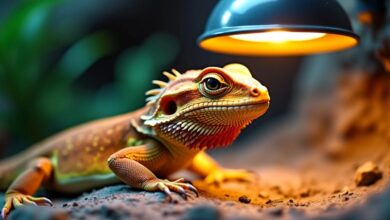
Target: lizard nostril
255, 92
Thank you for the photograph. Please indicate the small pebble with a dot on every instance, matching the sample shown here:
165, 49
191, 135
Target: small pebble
305, 193
345, 191
244, 199
367, 174
336, 191
263, 195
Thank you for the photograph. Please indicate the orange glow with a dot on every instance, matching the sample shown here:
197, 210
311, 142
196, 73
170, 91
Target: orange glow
278, 36
277, 44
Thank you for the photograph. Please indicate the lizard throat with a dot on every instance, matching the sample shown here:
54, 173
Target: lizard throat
198, 136
209, 127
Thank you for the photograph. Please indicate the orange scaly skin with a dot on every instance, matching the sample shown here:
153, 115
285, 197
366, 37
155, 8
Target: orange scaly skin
195, 111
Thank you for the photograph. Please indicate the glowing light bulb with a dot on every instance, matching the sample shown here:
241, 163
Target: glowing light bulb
278, 36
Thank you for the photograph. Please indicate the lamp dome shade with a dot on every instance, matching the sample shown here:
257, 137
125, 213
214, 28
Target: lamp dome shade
277, 27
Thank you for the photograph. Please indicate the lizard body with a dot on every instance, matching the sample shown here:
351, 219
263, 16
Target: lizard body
194, 111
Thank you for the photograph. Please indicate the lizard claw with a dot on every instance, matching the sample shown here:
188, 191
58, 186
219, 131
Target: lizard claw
166, 190
193, 189
180, 180
3, 213
16, 199
179, 186
190, 187
40, 200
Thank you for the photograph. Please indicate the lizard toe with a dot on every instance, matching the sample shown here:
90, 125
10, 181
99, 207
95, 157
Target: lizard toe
29, 202
179, 186
162, 187
40, 200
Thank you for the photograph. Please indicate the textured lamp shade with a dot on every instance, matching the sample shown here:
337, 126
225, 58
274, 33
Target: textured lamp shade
277, 27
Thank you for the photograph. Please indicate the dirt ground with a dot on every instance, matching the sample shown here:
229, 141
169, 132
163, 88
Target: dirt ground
296, 177
293, 181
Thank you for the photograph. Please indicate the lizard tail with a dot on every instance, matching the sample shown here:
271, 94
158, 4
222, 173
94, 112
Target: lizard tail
8, 172
11, 167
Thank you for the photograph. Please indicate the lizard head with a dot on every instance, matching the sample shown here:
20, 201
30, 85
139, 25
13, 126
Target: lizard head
205, 108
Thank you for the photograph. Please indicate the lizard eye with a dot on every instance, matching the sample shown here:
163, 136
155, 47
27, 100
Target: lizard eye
213, 85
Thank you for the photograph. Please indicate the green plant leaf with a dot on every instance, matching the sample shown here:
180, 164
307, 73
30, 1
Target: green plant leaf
83, 54
137, 67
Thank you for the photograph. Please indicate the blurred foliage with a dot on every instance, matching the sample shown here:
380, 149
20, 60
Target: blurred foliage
40, 68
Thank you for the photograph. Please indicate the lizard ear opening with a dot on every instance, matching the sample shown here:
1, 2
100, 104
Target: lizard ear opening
164, 109
169, 107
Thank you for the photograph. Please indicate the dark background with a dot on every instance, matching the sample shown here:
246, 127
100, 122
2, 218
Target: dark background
67, 62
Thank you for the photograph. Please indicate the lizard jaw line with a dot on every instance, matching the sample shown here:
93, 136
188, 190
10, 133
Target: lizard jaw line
224, 105
208, 105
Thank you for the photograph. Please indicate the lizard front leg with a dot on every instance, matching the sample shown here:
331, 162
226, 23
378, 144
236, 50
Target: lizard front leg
26, 184
131, 166
208, 168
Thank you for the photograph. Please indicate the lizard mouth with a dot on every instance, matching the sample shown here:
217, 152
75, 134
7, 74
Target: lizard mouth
226, 106
251, 109
243, 106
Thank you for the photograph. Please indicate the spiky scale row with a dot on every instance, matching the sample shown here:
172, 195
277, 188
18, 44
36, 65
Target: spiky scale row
151, 99
177, 73
160, 83
154, 93
170, 76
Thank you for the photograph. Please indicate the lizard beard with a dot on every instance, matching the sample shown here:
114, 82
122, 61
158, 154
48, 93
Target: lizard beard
209, 127
196, 135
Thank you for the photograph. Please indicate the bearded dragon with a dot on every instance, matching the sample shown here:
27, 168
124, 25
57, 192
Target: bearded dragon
193, 112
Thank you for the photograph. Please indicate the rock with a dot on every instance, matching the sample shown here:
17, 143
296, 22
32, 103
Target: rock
345, 191
203, 212
244, 199
376, 207
38, 212
263, 195
305, 193
367, 174
276, 211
